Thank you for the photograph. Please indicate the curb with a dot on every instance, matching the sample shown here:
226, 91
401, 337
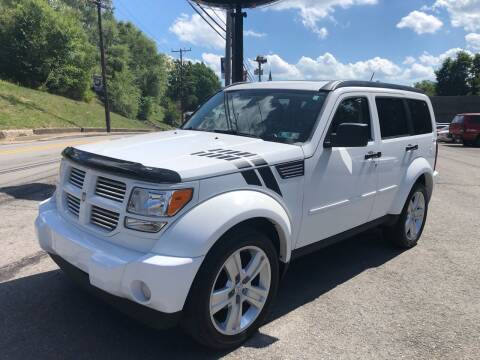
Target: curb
19, 133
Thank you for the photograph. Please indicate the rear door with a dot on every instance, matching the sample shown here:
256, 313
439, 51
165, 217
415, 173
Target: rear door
406, 134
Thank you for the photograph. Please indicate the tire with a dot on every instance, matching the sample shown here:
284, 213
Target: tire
405, 235
477, 141
216, 330
467, 143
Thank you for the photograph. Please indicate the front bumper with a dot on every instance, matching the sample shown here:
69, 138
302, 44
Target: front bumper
114, 269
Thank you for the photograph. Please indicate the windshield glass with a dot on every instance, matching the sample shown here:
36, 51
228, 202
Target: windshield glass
272, 115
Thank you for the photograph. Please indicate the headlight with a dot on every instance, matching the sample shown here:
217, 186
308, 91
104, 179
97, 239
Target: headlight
149, 202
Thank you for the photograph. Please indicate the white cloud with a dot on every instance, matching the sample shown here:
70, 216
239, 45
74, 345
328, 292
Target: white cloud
409, 60
463, 13
213, 62
253, 33
193, 29
431, 60
327, 66
312, 11
473, 41
420, 22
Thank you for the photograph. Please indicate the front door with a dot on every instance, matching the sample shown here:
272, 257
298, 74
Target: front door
340, 183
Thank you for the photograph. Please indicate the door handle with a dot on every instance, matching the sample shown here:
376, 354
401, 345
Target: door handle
411, 147
373, 155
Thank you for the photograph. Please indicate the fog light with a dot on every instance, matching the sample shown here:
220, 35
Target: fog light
144, 225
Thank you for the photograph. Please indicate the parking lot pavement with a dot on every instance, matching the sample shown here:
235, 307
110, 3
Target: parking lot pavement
361, 299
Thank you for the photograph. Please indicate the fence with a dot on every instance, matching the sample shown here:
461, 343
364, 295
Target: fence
446, 107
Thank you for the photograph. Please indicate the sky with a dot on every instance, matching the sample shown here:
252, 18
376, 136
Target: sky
401, 41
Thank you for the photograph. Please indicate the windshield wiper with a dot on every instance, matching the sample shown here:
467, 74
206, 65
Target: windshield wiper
234, 132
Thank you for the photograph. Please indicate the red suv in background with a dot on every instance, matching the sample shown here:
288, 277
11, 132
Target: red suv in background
466, 128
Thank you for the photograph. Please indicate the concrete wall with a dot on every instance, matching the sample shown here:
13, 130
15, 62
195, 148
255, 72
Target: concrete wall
446, 107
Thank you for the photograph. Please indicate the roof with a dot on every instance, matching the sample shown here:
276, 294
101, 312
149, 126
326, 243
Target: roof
319, 85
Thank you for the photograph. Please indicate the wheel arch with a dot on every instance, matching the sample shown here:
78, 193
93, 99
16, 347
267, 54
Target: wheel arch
198, 230
419, 170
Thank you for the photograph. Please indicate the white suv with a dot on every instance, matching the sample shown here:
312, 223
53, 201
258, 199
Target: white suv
197, 225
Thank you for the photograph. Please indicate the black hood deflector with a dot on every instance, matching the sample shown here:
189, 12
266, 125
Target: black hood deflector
125, 168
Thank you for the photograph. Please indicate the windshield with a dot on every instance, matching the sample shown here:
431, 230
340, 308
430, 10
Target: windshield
272, 115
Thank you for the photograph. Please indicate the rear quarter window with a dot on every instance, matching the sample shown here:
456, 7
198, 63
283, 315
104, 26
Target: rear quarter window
420, 115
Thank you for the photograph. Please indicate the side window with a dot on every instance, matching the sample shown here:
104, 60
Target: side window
393, 117
421, 119
352, 110
475, 119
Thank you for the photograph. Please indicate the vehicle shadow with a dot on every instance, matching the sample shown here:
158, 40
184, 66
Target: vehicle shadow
47, 316
31, 191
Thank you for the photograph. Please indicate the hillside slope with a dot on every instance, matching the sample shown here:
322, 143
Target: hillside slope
21, 108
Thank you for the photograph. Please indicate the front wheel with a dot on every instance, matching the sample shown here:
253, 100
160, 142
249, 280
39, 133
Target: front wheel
409, 226
233, 290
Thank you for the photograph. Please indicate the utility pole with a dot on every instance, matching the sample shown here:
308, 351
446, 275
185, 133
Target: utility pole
99, 5
237, 59
260, 60
228, 48
181, 52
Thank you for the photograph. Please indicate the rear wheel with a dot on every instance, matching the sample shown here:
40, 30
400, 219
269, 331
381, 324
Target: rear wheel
409, 226
233, 290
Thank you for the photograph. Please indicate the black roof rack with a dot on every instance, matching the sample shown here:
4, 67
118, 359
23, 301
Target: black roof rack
334, 85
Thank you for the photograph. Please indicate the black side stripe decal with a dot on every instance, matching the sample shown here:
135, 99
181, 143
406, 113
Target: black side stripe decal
251, 177
269, 179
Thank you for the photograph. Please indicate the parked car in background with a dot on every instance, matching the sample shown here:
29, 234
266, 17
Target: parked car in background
443, 133
465, 128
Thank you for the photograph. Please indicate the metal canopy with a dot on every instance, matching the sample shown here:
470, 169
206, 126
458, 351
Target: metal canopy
231, 4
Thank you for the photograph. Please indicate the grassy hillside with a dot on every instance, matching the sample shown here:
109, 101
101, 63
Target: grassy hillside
26, 108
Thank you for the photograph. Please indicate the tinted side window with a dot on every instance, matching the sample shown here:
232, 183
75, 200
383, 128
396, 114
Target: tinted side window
421, 120
352, 110
393, 117
474, 119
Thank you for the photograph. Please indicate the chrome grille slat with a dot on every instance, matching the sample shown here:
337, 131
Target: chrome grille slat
77, 177
104, 218
110, 189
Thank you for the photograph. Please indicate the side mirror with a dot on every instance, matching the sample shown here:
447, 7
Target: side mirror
349, 135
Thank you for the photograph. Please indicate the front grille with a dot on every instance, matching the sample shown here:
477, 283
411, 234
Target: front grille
111, 189
73, 205
77, 177
291, 170
103, 218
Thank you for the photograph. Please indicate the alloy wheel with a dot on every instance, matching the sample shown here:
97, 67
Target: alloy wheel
240, 290
415, 215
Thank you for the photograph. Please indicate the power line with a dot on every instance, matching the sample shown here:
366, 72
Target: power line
204, 19
249, 75
218, 16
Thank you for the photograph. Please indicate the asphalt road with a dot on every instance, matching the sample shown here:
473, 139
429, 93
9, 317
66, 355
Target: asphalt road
361, 299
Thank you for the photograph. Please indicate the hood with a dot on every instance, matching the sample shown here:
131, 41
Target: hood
195, 154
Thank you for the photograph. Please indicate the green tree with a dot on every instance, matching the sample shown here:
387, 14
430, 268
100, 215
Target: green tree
454, 76
475, 79
41, 47
199, 83
429, 87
